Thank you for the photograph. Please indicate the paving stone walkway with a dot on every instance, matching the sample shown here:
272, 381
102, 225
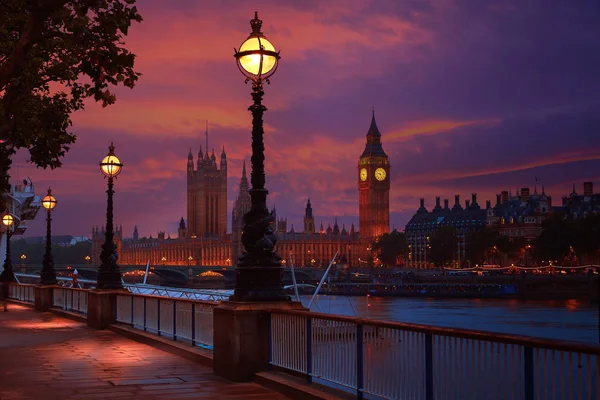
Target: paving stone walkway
44, 356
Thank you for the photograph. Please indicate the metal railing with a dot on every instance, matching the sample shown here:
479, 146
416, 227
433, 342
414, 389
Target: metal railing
390, 360
180, 319
21, 292
71, 299
179, 293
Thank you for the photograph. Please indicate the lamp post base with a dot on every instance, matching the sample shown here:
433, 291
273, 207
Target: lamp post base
48, 278
258, 284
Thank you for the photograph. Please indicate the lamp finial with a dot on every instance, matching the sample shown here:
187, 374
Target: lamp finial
256, 24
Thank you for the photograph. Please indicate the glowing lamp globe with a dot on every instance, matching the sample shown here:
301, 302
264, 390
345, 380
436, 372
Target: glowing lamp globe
49, 202
257, 58
110, 165
7, 220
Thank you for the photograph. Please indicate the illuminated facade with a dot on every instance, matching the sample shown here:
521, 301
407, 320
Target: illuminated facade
204, 241
373, 187
98, 241
207, 194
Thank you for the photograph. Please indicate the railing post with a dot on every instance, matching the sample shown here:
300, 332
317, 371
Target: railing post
132, 312
270, 343
145, 325
428, 366
72, 296
78, 301
308, 349
359, 362
158, 317
174, 320
529, 373
194, 324
64, 299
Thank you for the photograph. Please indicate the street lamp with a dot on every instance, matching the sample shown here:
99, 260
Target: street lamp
87, 259
190, 259
8, 274
163, 259
259, 271
109, 275
48, 275
23, 258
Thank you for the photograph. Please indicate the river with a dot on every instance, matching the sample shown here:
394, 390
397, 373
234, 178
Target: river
567, 320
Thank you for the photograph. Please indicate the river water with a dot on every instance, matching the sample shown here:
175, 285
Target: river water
566, 320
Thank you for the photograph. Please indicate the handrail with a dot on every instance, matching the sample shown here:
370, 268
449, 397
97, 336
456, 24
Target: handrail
522, 340
182, 299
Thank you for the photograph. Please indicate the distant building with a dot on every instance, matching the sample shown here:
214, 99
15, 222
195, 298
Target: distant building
58, 240
578, 206
98, 236
373, 186
522, 215
204, 241
423, 225
207, 194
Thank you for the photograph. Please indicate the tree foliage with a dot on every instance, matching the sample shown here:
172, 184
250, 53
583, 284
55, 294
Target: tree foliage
443, 246
566, 238
389, 247
53, 55
62, 254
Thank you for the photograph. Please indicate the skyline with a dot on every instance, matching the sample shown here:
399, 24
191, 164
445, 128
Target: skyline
468, 99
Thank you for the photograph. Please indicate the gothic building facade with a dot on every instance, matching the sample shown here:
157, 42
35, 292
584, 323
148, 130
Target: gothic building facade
98, 240
373, 186
205, 242
207, 194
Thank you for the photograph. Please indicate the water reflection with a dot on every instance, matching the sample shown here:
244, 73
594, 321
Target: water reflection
567, 320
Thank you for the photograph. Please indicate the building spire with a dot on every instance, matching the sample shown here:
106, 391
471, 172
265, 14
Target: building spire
373, 130
206, 133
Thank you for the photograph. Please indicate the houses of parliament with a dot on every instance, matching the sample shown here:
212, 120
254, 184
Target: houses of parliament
203, 240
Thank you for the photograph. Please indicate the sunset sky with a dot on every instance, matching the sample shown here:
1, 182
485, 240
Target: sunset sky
469, 95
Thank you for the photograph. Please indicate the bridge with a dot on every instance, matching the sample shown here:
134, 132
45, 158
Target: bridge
296, 352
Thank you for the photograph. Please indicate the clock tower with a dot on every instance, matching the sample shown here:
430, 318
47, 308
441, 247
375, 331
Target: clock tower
373, 186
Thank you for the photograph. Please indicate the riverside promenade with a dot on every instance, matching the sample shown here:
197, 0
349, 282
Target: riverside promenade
45, 356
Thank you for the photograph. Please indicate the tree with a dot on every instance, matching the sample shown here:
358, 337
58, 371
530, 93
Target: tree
53, 55
443, 246
480, 243
556, 239
389, 247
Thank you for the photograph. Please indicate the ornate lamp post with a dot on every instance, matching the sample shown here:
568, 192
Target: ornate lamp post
8, 274
259, 271
48, 275
87, 259
109, 275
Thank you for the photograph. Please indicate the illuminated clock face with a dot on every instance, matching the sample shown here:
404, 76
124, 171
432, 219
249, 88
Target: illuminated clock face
380, 174
363, 174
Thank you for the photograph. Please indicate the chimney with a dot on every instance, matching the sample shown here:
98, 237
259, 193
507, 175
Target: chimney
488, 204
456, 203
524, 194
498, 200
588, 189
467, 204
504, 196
446, 204
437, 203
